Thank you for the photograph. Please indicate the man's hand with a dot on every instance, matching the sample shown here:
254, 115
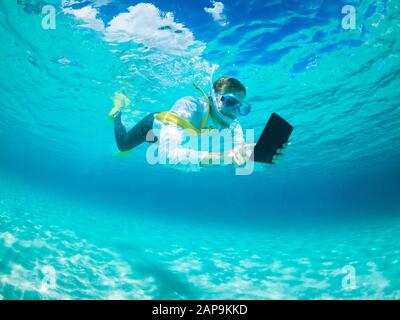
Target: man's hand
240, 155
280, 154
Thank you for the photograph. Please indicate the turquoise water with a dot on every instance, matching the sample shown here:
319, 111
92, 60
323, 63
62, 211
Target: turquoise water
78, 221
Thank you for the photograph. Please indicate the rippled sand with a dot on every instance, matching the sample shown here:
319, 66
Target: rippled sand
53, 249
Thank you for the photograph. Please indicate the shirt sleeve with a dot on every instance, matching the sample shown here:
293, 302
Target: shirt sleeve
192, 109
238, 136
239, 139
175, 147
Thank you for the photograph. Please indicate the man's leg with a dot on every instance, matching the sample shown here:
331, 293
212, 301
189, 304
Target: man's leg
134, 137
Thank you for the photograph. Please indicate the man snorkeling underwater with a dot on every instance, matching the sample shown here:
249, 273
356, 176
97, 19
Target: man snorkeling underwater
218, 111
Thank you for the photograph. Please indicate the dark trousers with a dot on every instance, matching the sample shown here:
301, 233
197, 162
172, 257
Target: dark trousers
127, 140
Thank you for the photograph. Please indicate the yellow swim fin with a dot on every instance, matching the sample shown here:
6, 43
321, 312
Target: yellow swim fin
124, 154
120, 101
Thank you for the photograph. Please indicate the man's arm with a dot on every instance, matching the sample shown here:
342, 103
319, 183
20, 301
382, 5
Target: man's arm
237, 156
172, 148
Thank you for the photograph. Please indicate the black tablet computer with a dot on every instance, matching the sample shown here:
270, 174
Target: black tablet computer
275, 134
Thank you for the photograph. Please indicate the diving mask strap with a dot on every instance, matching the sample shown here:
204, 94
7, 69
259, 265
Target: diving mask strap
217, 113
225, 120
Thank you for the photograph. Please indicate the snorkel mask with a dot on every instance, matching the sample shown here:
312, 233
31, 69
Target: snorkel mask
232, 104
227, 102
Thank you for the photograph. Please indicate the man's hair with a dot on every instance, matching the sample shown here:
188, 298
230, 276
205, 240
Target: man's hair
224, 83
